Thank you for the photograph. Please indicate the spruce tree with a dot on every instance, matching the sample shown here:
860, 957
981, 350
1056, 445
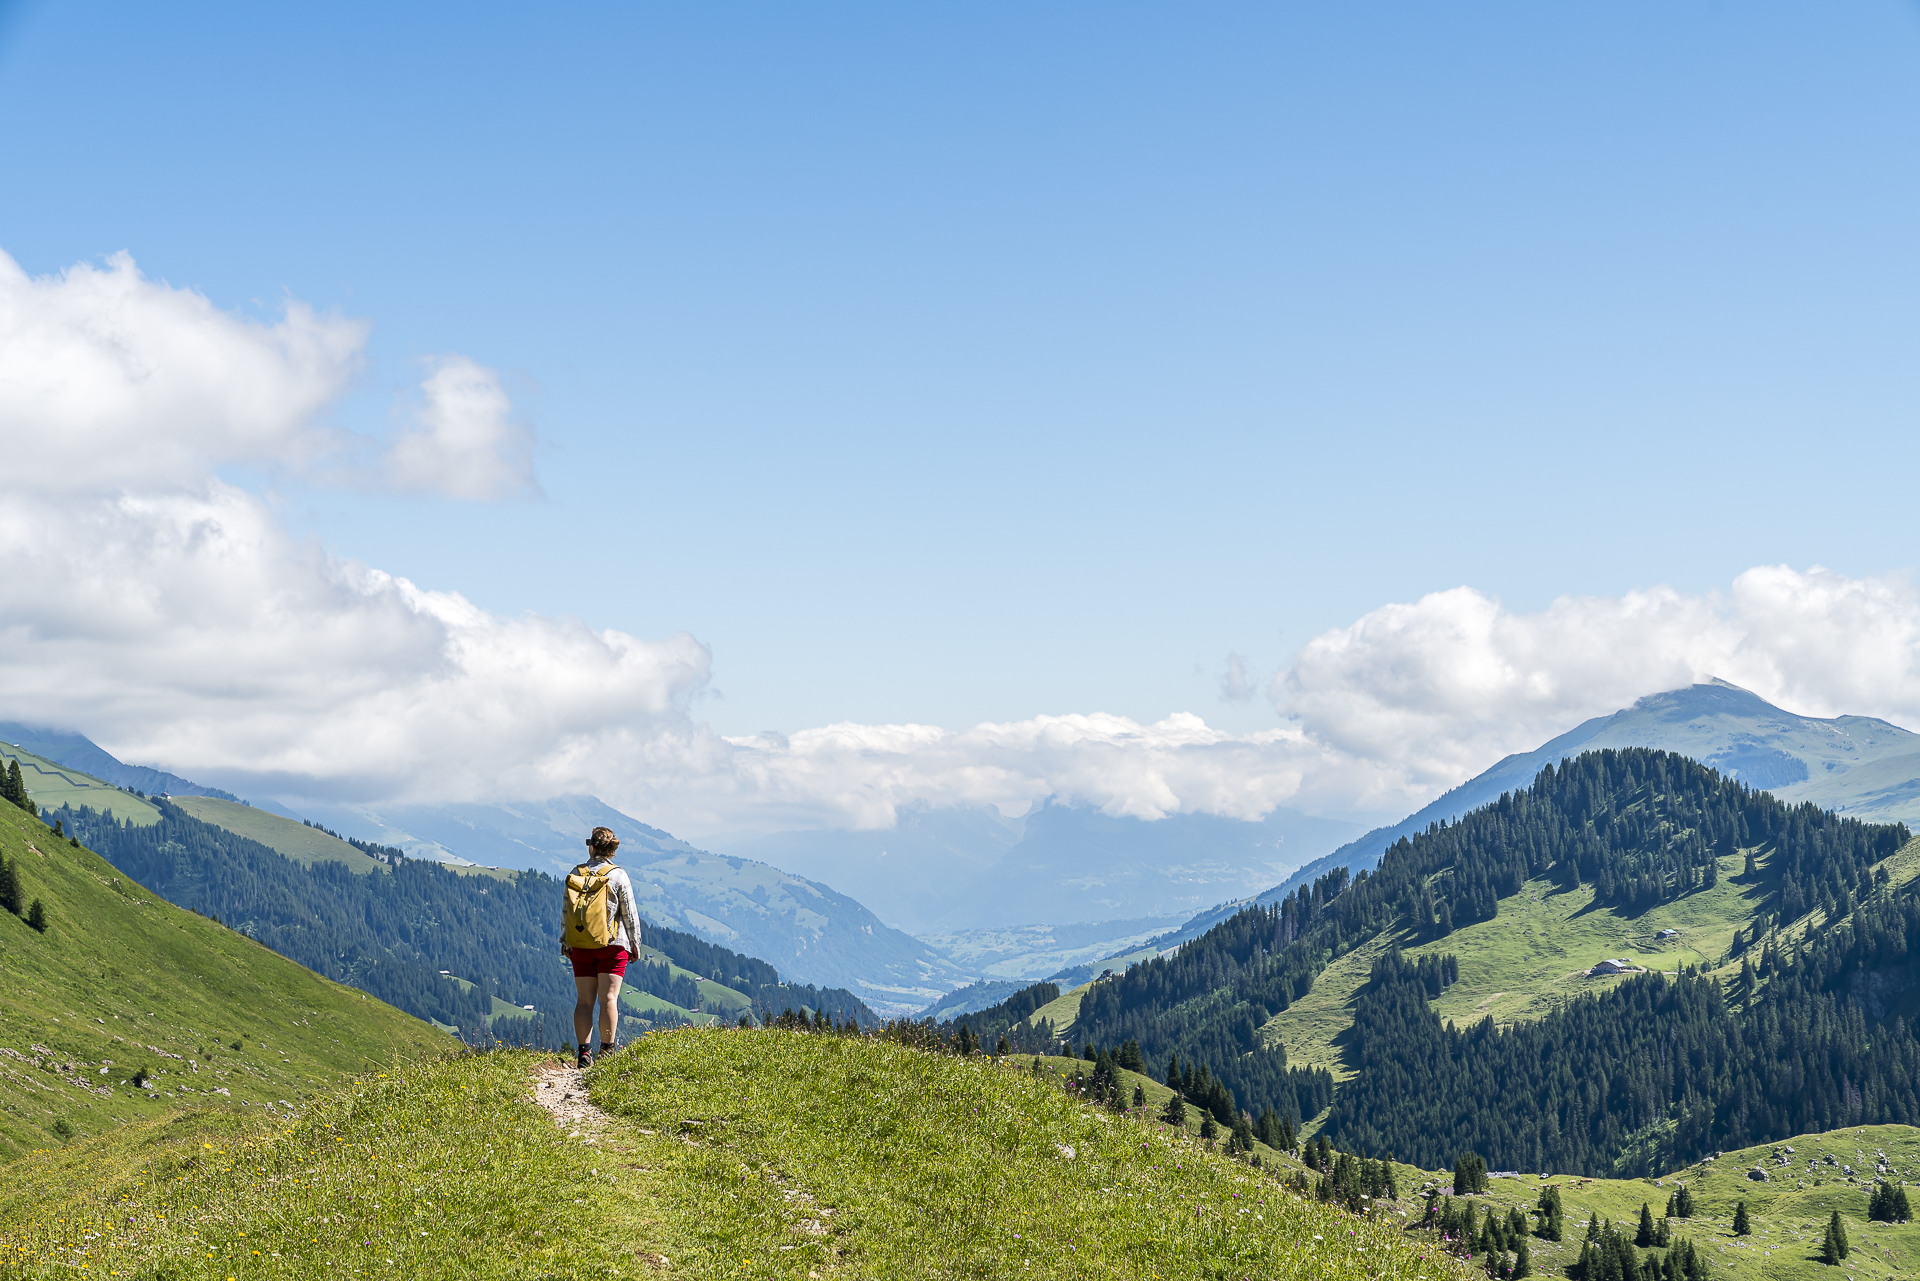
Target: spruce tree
1522, 1259
1740, 1225
1837, 1228
1139, 1095
10, 886
1208, 1130
1175, 1113
1902, 1211
1830, 1251
1173, 1073
1683, 1203
1752, 868
37, 916
1645, 1236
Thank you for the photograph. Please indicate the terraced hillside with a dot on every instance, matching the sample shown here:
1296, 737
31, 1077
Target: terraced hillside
53, 785
121, 982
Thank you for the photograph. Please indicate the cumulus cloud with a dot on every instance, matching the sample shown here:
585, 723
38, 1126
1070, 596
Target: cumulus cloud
112, 381
108, 379
1431, 692
173, 617
465, 443
190, 629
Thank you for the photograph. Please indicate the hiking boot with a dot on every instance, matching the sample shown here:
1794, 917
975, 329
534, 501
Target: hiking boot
605, 1050
585, 1060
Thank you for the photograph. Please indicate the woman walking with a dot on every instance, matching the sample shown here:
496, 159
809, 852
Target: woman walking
598, 933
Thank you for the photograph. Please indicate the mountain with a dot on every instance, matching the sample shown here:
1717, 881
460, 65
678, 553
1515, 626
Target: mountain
811, 932
123, 981
82, 753
949, 870
1854, 765
1721, 902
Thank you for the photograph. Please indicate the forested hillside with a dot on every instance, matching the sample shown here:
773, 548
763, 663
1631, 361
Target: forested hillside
392, 932
1684, 1067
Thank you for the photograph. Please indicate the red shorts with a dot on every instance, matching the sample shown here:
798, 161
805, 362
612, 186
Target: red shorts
589, 961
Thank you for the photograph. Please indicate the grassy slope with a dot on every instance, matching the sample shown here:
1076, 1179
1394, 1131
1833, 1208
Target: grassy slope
123, 977
1534, 955
1788, 1220
52, 785
297, 841
775, 1154
731, 1154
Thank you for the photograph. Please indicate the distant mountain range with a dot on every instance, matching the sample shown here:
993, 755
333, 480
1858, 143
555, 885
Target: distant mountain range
941, 871
808, 931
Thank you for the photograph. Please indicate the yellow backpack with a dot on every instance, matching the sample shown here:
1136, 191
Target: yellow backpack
589, 920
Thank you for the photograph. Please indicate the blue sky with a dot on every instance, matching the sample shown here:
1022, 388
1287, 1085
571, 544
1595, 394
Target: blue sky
963, 363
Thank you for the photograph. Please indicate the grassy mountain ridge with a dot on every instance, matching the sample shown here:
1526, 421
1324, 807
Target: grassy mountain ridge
721, 1154
123, 980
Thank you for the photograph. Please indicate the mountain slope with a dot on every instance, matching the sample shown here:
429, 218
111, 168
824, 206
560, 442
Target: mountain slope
123, 980
1645, 837
719, 1154
77, 751
297, 841
52, 783
1854, 765
812, 932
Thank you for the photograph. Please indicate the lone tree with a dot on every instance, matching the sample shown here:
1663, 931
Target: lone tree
37, 916
1834, 1247
1741, 1227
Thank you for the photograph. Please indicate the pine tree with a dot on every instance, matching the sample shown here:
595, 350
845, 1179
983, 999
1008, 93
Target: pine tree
1670, 1204
1522, 1259
1837, 1229
1175, 1113
1173, 1073
1740, 1225
1902, 1211
1752, 868
1683, 1203
1208, 1130
10, 897
37, 916
1287, 1136
1830, 1251
1645, 1236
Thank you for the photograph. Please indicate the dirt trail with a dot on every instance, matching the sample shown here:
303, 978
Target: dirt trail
562, 1091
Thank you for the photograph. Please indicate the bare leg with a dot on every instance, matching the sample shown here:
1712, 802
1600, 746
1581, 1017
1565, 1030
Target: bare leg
584, 989
609, 1007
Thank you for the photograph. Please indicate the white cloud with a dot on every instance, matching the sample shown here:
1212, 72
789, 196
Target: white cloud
111, 381
173, 617
466, 443
108, 379
190, 630
1429, 693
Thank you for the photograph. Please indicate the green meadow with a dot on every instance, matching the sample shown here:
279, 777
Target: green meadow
123, 981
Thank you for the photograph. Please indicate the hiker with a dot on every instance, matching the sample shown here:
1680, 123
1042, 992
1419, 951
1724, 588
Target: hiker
598, 933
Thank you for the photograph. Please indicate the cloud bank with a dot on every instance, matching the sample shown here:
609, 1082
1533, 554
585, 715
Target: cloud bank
171, 616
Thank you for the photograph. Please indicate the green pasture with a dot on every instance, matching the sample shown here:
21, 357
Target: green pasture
52, 785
